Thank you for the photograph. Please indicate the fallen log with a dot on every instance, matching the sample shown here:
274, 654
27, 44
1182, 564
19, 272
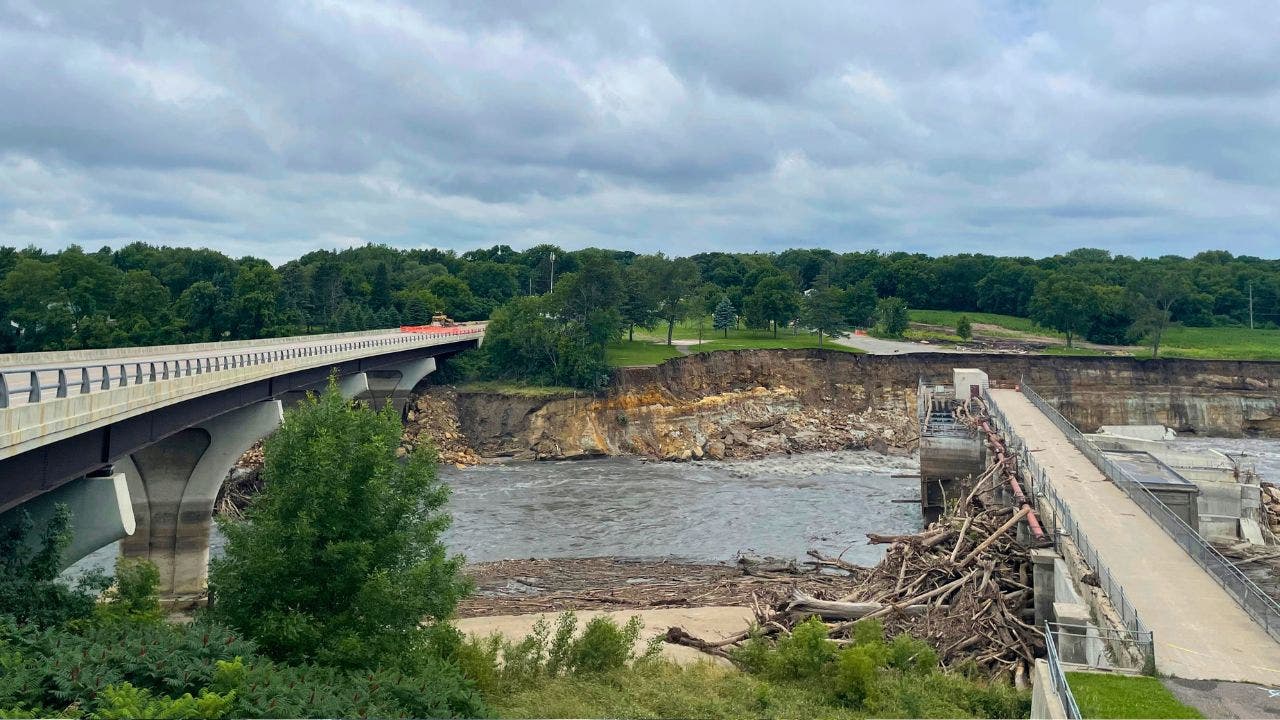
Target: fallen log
834, 609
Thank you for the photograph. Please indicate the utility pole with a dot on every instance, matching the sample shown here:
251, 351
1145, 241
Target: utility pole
1250, 304
553, 272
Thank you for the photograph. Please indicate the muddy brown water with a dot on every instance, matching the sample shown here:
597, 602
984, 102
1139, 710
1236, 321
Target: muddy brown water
708, 511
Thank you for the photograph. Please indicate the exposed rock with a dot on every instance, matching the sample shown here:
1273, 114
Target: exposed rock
761, 402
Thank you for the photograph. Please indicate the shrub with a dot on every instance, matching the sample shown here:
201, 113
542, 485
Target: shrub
154, 668
135, 594
963, 328
340, 559
499, 666
125, 702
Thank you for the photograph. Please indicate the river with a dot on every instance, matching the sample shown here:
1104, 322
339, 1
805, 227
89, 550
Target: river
708, 511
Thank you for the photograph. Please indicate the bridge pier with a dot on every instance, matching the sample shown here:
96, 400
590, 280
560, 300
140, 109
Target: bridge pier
392, 384
173, 485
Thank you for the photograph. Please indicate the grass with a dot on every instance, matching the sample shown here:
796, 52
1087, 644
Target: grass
628, 353
764, 340
737, 338
932, 336
1017, 326
662, 689
520, 390
1070, 351
1102, 695
1218, 343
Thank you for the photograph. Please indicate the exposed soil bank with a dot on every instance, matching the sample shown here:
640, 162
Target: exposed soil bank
749, 403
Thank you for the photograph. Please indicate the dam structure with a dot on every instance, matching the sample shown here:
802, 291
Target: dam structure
137, 441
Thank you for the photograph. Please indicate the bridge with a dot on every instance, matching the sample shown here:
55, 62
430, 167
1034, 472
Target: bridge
137, 441
1207, 620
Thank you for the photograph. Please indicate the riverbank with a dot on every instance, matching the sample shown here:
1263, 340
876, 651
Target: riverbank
521, 587
756, 403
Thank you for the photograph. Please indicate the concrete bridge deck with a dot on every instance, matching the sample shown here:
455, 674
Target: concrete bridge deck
1200, 632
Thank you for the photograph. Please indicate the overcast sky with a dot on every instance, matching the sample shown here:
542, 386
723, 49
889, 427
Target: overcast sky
274, 128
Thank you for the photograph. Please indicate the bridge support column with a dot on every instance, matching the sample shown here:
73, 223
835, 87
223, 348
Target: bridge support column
392, 384
174, 484
100, 514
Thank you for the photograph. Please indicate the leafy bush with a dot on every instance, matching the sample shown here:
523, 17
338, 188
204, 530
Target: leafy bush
135, 594
87, 667
340, 558
125, 702
895, 678
499, 666
30, 590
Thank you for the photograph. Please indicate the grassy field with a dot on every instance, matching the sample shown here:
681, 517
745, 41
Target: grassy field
738, 339
1016, 325
626, 353
1218, 343
517, 389
764, 340
1119, 696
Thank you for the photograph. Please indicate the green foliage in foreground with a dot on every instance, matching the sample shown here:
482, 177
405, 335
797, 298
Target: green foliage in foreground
137, 669
899, 678
340, 559
30, 591
555, 673
501, 667
1120, 696
123, 661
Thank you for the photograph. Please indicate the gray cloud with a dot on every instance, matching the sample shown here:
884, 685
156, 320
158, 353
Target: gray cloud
273, 128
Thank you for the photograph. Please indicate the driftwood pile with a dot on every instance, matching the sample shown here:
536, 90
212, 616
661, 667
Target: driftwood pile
1271, 507
963, 584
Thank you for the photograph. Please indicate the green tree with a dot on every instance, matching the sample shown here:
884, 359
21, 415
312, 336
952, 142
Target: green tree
340, 558
892, 318
1066, 304
255, 298
380, 289
678, 280
859, 303
775, 300
1154, 300
724, 316
640, 286
823, 310
459, 302
963, 328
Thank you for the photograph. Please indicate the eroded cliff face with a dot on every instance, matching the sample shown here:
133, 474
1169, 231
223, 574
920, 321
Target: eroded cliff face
757, 402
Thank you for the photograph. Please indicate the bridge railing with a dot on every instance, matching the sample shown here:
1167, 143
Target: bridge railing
1260, 606
1058, 676
38, 384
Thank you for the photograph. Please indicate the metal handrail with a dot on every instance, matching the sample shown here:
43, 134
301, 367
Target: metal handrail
1261, 607
1059, 678
96, 377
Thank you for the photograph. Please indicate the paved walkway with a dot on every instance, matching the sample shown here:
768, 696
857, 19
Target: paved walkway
878, 346
1200, 632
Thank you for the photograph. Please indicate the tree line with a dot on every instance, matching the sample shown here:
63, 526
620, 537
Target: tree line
569, 304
